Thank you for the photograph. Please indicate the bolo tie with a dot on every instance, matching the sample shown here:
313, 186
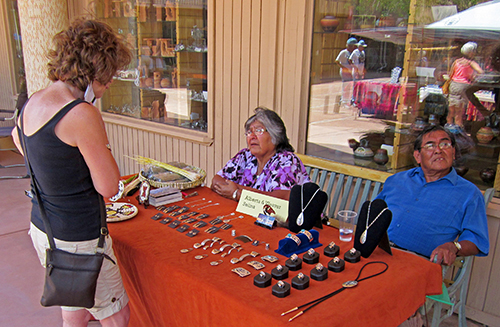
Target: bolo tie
346, 285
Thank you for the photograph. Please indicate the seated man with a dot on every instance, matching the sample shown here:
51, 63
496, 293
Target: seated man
431, 205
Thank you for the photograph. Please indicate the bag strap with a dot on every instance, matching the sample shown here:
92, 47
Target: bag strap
103, 231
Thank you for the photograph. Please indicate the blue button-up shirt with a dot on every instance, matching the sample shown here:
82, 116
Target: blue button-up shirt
426, 215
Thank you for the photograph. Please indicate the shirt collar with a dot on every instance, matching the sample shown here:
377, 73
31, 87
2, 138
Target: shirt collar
452, 177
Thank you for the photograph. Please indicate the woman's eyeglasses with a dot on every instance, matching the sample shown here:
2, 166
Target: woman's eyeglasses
257, 131
441, 145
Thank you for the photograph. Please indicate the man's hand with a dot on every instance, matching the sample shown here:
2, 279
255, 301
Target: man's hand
444, 254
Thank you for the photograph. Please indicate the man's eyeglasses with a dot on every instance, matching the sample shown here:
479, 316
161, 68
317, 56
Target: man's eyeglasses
257, 131
441, 145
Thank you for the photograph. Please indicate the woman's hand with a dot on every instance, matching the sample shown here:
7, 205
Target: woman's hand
224, 187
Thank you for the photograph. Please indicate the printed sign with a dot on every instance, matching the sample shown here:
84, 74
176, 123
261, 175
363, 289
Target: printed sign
253, 204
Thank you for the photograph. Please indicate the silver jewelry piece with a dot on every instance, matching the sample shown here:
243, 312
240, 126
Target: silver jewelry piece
364, 235
300, 217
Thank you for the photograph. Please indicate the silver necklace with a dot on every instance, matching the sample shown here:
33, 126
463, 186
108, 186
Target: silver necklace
300, 218
362, 239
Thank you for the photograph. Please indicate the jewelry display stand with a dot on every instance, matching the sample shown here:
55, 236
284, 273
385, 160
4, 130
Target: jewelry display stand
262, 280
298, 243
305, 206
294, 263
300, 282
372, 231
311, 257
319, 273
280, 272
336, 265
352, 256
332, 250
281, 289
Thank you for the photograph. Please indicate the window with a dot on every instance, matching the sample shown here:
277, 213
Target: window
370, 112
166, 82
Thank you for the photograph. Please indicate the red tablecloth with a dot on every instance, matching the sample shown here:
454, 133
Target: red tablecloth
378, 98
168, 288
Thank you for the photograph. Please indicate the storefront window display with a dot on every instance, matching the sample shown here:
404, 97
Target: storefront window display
377, 75
167, 81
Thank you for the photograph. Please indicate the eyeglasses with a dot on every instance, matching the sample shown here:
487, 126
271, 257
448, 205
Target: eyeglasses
257, 131
441, 145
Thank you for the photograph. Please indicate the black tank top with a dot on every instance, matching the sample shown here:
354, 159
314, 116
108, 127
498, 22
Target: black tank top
70, 199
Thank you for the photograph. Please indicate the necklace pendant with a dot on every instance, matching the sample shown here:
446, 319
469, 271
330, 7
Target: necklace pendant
362, 239
300, 219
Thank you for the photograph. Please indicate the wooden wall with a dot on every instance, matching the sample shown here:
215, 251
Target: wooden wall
259, 55
483, 299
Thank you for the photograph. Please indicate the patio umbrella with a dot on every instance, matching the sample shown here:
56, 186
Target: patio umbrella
480, 22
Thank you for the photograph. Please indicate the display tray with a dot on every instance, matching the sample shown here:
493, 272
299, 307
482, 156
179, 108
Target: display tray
120, 211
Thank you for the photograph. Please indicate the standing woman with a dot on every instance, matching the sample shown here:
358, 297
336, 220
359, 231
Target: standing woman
69, 153
463, 72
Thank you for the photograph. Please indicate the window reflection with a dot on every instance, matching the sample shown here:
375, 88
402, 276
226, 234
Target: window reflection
399, 89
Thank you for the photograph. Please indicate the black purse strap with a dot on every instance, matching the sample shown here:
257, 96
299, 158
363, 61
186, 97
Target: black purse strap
48, 230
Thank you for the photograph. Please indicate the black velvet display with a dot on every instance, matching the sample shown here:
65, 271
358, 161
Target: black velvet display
312, 214
377, 233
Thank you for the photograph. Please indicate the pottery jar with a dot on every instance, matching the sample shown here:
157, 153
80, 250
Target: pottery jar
484, 135
381, 157
329, 23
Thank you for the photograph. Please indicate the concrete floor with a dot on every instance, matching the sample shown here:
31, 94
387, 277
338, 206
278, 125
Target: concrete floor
21, 274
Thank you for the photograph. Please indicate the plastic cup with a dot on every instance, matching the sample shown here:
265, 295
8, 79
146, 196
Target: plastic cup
347, 221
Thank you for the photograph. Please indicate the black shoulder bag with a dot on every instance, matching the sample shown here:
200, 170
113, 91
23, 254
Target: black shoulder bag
70, 278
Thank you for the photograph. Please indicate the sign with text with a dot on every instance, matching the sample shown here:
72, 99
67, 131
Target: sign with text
253, 204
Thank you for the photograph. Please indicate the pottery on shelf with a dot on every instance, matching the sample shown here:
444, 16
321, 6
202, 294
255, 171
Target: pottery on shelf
381, 157
363, 152
329, 23
353, 144
487, 175
461, 170
485, 135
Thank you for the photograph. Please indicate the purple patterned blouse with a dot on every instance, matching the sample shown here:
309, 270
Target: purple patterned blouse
281, 172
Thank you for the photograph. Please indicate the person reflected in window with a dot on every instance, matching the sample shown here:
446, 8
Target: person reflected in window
267, 165
357, 59
435, 212
346, 70
462, 75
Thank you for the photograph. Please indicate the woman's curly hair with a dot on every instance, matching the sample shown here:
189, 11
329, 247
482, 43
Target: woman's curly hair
88, 50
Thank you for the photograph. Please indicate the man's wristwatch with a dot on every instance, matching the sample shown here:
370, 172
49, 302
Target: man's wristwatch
459, 247
235, 194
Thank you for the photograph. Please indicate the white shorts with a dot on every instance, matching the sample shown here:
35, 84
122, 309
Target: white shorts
110, 295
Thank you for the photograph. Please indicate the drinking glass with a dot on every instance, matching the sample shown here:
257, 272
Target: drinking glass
347, 221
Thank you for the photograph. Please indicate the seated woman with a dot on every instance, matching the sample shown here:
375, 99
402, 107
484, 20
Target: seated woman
268, 164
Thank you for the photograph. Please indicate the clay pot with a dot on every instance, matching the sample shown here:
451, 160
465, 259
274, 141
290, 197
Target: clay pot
363, 152
485, 135
487, 175
381, 157
329, 23
353, 144
461, 170
165, 83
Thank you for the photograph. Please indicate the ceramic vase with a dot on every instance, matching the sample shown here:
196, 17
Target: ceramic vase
487, 175
329, 23
353, 144
381, 157
484, 135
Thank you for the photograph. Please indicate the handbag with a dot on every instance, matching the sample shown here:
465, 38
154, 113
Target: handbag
446, 86
70, 278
